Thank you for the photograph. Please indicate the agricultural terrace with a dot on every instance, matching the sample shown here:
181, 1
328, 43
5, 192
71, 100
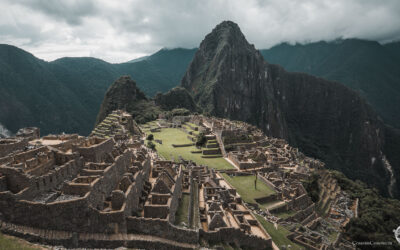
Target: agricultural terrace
169, 136
246, 188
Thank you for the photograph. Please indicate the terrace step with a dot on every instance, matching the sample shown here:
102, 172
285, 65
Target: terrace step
91, 239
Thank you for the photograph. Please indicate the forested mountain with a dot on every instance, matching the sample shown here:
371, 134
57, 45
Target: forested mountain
371, 69
65, 95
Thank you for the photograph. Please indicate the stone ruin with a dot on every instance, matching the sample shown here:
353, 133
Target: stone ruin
108, 190
118, 124
284, 168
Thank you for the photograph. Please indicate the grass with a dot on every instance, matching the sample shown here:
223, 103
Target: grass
183, 210
245, 187
278, 236
171, 136
285, 214
12, 243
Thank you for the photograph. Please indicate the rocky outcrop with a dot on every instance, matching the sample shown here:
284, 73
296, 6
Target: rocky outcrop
229, 78
124, 95
177, 97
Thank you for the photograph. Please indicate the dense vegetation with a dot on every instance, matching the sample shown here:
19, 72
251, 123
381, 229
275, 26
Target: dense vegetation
65, 95
124, 94
177, 97
377, 216
368, 67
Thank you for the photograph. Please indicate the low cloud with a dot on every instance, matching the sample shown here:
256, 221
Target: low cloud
118, 31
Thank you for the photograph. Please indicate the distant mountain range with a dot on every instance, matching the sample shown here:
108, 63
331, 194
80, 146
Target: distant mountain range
371, 69
65, 95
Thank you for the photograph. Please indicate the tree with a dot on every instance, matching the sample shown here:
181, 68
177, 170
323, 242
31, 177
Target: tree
151, 145
150, 137
201, 139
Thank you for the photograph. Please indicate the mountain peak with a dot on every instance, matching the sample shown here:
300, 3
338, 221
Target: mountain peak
227, 26
122, 94
226, 36
224, 51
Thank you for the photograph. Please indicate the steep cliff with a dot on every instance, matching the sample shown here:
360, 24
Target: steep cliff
123, 94
229, 78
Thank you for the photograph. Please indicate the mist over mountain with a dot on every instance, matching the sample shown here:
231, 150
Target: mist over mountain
4, 132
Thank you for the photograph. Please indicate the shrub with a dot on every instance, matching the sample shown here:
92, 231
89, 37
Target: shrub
150, 137
201, 139
151, 145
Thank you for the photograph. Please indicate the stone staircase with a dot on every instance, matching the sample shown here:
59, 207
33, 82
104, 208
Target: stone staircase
221, 144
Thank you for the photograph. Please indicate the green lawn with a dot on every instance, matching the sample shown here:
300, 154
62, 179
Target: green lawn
183, 210
285, 214
171, 136
194, 132
245, 187
12, 243
278, 236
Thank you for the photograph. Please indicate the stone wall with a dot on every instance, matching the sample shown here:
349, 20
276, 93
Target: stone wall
16, 180
269, 198
96, 152
211, 151
156, 210
92, 240
302, 214
110, 179
267, 182
302, 201
161, 228
75, 214
55, 177
22, 157
234, 235
176, 195
70, 215
8, 146
249, 165
137, 188
3, 183
191, 197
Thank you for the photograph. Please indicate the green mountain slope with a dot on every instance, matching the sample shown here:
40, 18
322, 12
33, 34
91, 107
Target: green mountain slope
65, 95
372, 69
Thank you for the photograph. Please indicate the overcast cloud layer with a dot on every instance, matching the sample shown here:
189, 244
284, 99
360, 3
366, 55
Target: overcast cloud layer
118, 31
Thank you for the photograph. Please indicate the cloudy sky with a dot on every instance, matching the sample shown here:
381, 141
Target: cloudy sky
118, 31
